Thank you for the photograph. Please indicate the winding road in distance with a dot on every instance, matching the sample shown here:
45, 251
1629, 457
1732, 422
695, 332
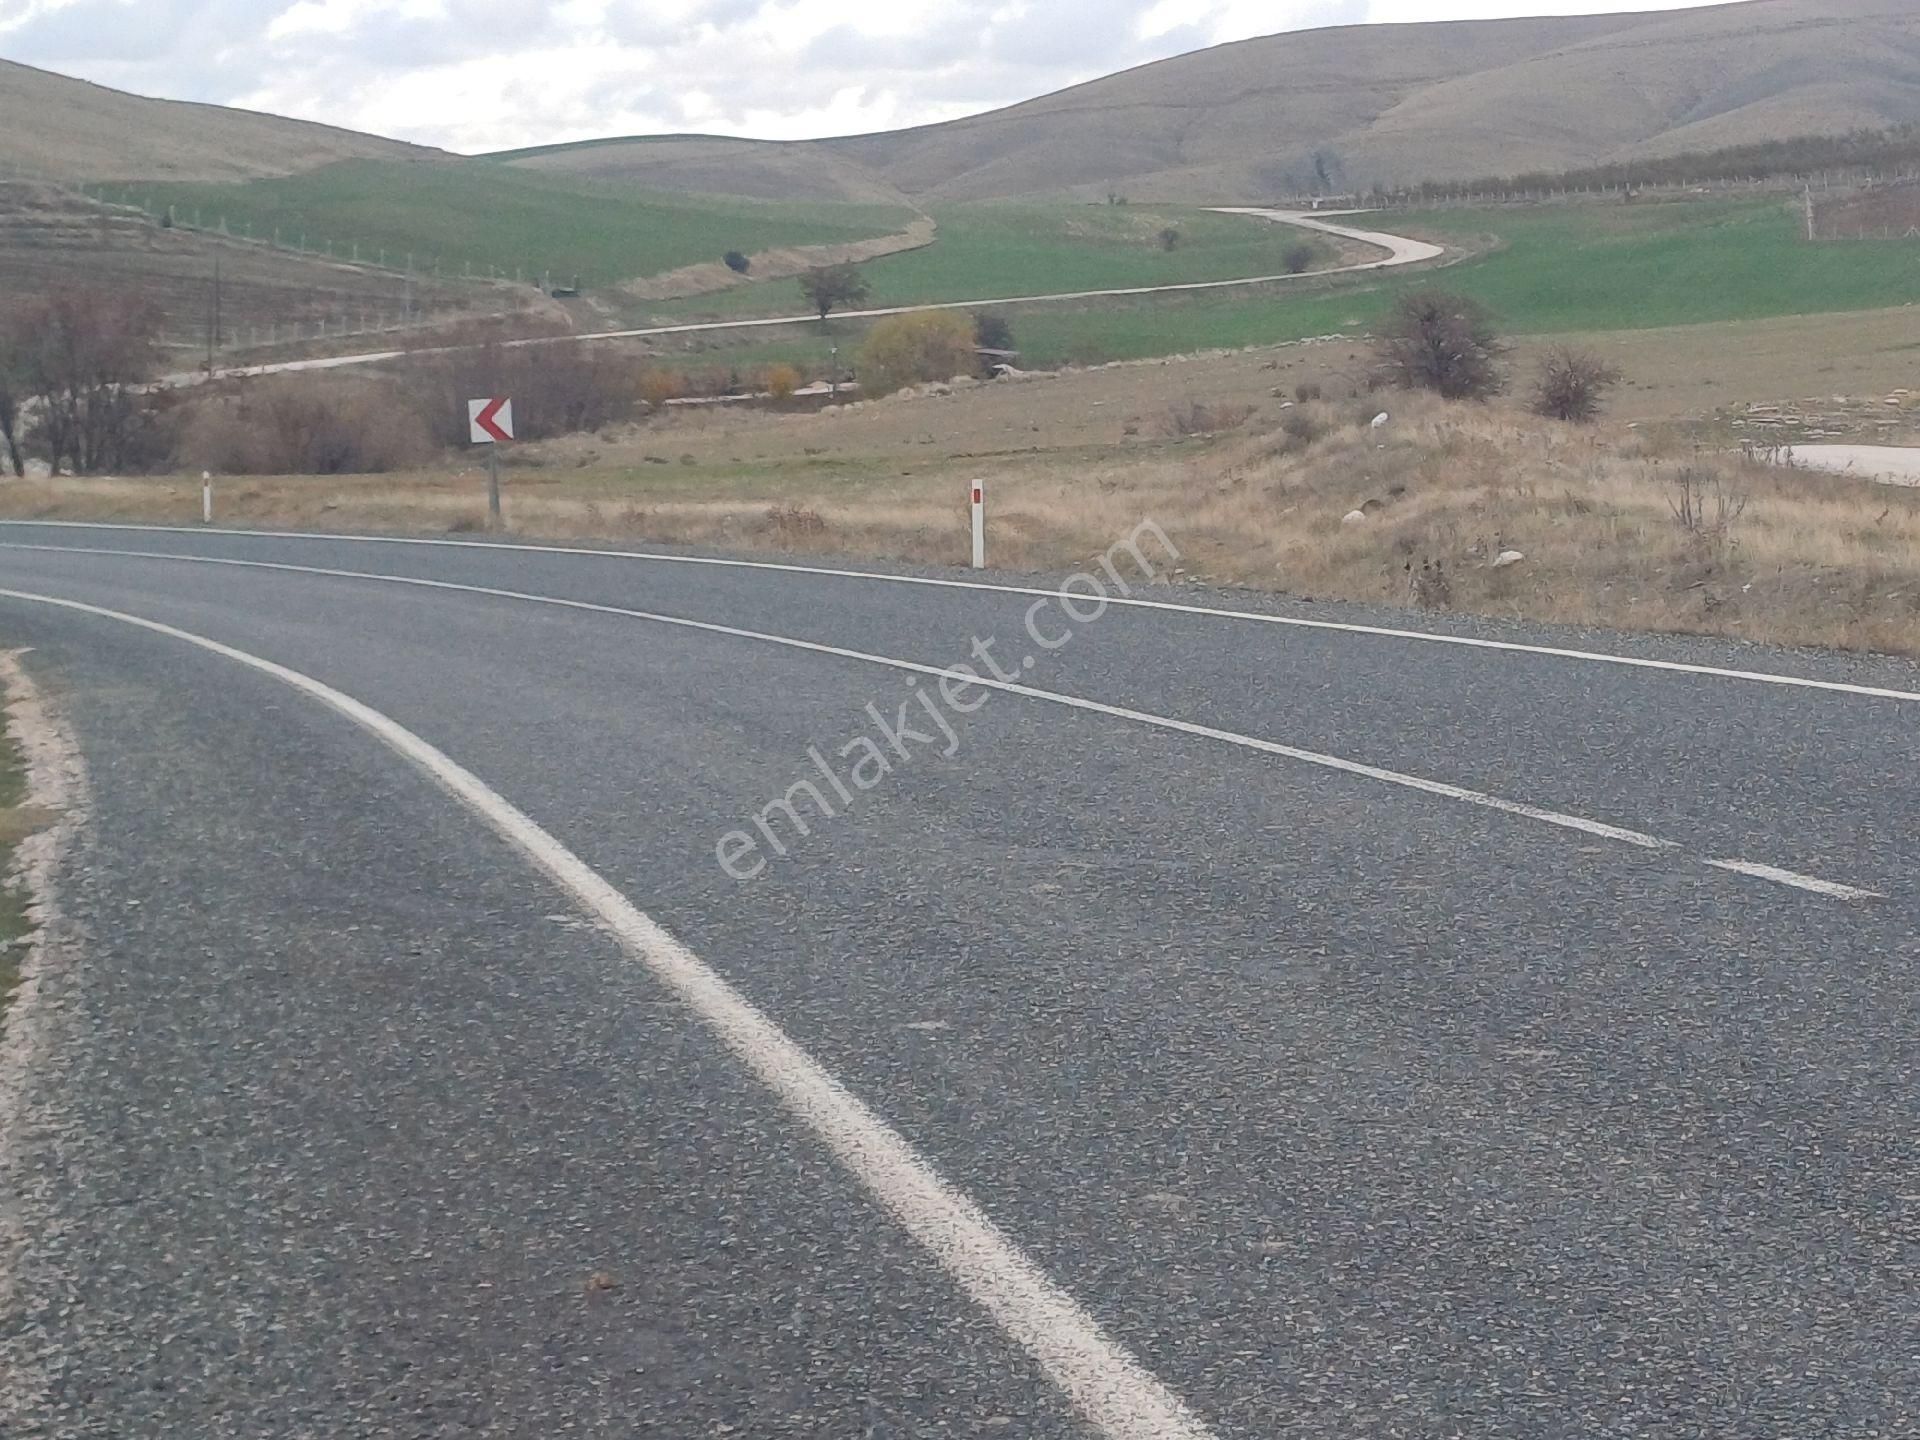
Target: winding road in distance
1400, 251
1236, 1024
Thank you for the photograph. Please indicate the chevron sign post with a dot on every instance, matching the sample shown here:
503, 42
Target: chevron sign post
490, 423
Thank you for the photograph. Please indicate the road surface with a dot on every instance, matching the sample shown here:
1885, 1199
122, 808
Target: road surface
1886, 464
1283, 1024
1400, 251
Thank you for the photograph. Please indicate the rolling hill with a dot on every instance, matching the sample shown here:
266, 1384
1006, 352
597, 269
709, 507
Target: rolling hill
1347, 107
717, 164
57, 128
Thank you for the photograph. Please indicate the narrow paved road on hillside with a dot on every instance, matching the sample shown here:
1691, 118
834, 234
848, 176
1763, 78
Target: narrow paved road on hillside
1234, 1026
1400, 251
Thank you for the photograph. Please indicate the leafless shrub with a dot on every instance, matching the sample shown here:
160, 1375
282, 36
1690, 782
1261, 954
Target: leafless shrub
657, 387
556, 389
1299, 258
1198, 417
1436, 340
1302, 428
1428, 586
1571, 384
796, 523
305, 425
1704, 504
1308, 390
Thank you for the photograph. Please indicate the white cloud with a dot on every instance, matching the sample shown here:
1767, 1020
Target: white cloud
487, 74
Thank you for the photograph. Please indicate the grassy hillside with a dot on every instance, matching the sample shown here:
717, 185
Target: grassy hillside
714, 165
53, 127
482, 215
1027, 248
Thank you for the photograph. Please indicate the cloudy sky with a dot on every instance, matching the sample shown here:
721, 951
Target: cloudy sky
489, 74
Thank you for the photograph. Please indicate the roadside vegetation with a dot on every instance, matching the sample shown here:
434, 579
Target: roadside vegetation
1279, 475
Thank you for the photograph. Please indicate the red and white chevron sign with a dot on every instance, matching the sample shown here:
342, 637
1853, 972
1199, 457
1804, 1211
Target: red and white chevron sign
490, 421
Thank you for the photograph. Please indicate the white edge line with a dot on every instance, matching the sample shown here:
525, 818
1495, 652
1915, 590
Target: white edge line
1356, 768
1829, 888
1074, 702
1593, 657
1104, 1382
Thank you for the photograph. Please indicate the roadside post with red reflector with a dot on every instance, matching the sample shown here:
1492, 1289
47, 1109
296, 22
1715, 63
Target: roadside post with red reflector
979, 524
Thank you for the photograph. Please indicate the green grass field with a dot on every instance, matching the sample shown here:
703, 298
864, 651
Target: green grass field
488, 217
1560, 270
1036, 248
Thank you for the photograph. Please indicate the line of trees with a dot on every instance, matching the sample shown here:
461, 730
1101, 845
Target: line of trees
71, 367
1880, 152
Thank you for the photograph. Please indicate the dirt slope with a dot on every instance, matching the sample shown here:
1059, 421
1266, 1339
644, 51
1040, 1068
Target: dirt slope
53, 127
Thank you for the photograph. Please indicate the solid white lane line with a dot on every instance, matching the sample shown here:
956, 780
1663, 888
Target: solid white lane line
1119, 712
1104, 1382
1831, 889
1467, 642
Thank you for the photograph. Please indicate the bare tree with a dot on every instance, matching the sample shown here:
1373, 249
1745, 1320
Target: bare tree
1571, 384
10, 388
833, 287
80, 357
1439, 341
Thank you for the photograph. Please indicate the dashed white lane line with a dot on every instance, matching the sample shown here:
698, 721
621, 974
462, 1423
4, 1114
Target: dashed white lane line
1294, 622
1356, 768
1106, 1384
1800, 882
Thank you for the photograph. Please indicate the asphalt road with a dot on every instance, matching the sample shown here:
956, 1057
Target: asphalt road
1399, 251
1358, 1032
1887, 464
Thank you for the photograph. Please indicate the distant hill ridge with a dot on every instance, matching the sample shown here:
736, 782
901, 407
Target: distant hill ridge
60, 128
1350, 107
1335, 109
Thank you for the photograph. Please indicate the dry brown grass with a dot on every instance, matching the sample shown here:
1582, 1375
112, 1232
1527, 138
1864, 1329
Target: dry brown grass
19, 821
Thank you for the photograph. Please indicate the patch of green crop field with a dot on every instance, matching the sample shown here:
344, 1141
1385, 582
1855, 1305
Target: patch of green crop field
993, 249
1559, 270
462, 216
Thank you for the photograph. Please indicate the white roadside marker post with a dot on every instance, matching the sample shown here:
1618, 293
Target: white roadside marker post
206, 497
979, 524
